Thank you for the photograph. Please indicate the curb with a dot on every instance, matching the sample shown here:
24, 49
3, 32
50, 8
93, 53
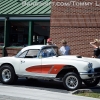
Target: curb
85, 90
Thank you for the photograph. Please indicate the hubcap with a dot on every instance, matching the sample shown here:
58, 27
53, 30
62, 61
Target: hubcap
6, 75
71, 82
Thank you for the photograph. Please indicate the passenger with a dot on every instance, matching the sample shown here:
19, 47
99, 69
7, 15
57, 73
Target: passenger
47, 53
44, 53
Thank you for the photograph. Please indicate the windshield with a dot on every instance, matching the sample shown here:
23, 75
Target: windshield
49, 52
19, 52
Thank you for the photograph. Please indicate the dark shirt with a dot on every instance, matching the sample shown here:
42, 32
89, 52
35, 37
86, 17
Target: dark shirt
97, 52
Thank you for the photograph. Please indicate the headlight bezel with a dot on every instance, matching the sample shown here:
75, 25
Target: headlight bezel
90, 65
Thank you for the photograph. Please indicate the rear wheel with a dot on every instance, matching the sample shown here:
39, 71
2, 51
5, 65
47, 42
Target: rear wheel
7, 74
92, 82
72, 81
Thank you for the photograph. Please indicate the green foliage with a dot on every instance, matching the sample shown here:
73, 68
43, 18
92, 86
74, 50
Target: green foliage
90, 94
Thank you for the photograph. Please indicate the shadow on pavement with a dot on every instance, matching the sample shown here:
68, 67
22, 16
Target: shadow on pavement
46, 85
42, 85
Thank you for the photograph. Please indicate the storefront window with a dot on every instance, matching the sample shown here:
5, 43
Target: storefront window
41, 32
1, 33
18, 34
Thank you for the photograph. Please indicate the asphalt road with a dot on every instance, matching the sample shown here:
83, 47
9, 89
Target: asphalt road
19, 91
40, 84
43, 84
46, 84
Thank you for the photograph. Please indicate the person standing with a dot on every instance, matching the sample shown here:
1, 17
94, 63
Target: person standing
64, 49
96, 45
50, 42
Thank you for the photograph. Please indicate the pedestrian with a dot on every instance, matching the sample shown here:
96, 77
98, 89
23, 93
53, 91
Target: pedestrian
64, 49
50, 42
96, 45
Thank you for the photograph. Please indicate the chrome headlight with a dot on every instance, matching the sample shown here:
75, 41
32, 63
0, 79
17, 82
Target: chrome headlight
90, 65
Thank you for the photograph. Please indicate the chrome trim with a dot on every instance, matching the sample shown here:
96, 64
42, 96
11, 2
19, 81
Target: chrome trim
51, 69
86, 73
38, 75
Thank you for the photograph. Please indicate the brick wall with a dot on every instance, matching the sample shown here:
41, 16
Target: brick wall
0, 51
77, 24
9, 51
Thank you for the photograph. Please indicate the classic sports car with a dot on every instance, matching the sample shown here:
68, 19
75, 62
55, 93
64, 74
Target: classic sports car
45, 62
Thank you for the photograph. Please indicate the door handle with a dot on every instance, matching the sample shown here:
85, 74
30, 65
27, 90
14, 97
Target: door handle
22, 61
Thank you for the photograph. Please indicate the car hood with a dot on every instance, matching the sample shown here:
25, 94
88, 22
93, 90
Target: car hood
94, 61
78, 58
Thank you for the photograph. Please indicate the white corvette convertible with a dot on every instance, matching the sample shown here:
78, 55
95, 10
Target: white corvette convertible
44, 62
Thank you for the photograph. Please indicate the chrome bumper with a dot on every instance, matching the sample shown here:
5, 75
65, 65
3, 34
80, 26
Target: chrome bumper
86, 75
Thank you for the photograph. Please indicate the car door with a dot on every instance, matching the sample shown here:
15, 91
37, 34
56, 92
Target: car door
47, 56
30, 64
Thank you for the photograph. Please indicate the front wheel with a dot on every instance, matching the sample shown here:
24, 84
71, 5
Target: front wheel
7, 74
72, 81
92, 82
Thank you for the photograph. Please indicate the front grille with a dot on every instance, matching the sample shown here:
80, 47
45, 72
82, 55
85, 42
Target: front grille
97, 70
97, 74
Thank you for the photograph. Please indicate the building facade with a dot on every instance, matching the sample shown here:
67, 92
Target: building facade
76, 21
22, 23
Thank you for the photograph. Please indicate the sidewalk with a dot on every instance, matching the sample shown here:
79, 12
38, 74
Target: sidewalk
24, 93
3, 97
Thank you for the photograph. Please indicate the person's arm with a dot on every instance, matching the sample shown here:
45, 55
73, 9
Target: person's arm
93, 44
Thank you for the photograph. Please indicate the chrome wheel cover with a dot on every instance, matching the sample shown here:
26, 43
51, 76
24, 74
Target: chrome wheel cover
71, 82
6, 75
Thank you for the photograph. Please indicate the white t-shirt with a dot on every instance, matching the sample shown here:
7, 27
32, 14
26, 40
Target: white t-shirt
64, 50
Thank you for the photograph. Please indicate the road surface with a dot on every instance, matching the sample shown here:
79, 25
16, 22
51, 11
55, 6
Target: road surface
38, 90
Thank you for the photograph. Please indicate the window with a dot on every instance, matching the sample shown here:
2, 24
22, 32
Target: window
23, 54
32, 54
18, 34
48, 52
1, 33
41, 32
